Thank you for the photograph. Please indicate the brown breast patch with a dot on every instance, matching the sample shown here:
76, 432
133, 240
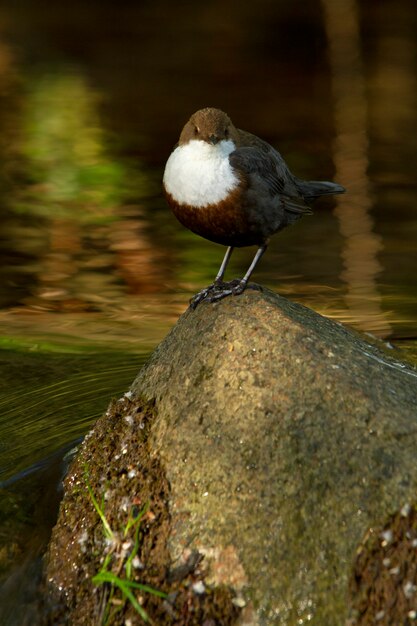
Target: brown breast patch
225, 222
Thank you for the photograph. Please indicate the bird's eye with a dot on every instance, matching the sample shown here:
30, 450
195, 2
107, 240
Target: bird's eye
196, 130
226, 133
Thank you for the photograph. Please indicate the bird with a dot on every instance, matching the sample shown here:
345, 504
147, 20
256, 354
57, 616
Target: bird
233, 188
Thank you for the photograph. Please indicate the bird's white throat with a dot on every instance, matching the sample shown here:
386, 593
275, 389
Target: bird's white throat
198, 173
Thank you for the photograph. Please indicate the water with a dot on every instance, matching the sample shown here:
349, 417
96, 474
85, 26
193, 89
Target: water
95, 269
43, 415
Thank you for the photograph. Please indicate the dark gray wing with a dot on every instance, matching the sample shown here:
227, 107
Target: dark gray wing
262, 170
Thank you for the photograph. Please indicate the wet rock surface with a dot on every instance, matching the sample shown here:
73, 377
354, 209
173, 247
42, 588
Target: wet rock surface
280, 438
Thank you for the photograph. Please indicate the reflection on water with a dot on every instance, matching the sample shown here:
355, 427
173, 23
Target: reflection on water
360, 253
92, 98
63, 146
89, 236
84, 227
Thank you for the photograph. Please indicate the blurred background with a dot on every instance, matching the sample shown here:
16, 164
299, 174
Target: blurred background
94, 269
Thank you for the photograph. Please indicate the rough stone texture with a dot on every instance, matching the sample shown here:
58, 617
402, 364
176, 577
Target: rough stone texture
124, 476
383, 586
284, 437
271, 441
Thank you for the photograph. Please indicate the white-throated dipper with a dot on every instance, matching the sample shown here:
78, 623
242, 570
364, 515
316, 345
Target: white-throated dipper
233, 188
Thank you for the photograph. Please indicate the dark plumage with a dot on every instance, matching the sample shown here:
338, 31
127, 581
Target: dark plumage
233, 188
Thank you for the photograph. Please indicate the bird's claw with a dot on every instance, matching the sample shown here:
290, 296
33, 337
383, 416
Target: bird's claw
205, 293
217, 291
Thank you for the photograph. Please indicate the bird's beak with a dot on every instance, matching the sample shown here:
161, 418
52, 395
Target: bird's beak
213, 139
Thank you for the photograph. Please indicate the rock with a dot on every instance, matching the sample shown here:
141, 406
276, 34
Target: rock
383, 586
279, 438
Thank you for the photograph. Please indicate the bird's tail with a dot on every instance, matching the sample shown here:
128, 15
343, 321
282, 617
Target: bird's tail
312, 189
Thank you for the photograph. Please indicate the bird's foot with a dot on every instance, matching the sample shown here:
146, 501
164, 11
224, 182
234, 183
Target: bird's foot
217, 291
234, 288
205, 293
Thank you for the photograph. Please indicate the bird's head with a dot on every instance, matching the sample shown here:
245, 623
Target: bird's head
210, 125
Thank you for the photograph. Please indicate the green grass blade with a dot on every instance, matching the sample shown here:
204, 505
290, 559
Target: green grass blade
129, 595
107, 530
135, 520
147, 588
108, 577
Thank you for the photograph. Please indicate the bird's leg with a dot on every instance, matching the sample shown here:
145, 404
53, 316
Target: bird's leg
219, 290
240, 287
218, 281
223, 266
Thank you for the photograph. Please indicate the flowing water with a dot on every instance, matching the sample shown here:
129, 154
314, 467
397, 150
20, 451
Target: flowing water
95, 269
